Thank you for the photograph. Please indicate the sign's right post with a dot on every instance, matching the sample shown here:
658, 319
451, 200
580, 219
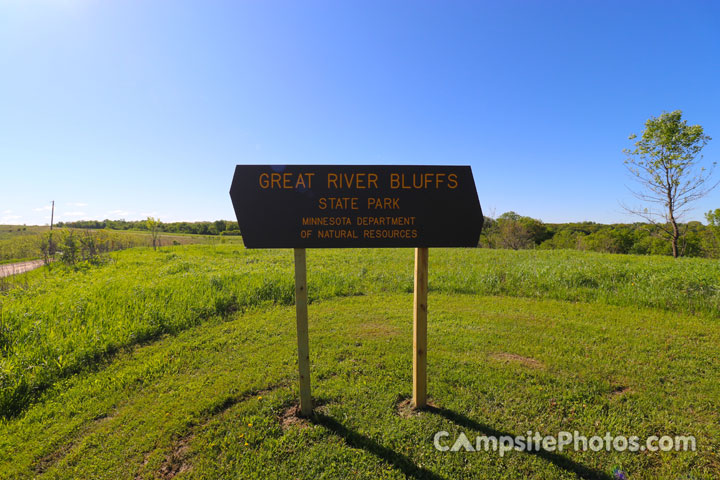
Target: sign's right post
419, 397
301, 301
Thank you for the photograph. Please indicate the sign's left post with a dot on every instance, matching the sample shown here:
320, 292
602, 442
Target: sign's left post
301, 302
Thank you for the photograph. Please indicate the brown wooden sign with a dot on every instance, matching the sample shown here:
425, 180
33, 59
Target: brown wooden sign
323, 206
347, 206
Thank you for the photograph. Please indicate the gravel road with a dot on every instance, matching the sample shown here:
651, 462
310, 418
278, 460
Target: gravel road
21, 267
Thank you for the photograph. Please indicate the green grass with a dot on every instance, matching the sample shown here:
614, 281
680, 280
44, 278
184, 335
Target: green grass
14, 231
20, 243
153, 364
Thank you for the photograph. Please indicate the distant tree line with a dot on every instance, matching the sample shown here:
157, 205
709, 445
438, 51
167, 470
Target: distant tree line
514, 231
218, 227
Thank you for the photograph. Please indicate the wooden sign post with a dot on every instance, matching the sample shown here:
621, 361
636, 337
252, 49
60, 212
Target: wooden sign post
302, 331
419, 395
357, 206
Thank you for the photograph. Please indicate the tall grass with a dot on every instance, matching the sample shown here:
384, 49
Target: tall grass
66, 320
20, 247
26, 243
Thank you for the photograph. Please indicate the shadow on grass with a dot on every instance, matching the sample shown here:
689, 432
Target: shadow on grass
559, 460
408, 467
356, 440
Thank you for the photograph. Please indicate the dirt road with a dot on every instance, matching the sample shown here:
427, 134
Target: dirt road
21, 267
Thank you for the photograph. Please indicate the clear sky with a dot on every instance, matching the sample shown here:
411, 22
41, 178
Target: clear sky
128, 108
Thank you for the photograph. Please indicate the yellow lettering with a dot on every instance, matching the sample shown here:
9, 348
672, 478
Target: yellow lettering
394, 180
372, 180
264, 181
300, 181
428, 179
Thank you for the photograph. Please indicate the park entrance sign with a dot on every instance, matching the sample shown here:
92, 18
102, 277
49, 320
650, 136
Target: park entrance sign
349, 206
357, 206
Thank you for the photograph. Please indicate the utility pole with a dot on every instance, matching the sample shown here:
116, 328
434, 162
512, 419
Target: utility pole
51, 247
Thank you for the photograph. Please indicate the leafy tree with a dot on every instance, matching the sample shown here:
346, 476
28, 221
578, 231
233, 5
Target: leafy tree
537, 229
665, 162
510, 232
46, 246
219, 226
563, 239
713, 219
510, 216
607, 240
153, 226
69, 247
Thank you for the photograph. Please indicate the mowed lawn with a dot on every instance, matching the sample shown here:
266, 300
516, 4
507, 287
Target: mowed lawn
204, 385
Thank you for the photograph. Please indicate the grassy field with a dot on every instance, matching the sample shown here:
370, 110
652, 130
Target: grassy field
182, 363
19, 243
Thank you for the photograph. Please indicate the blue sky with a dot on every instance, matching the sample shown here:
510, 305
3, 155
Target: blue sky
123, 109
